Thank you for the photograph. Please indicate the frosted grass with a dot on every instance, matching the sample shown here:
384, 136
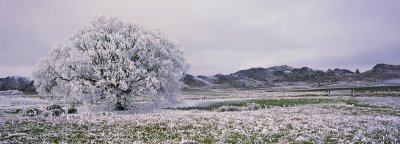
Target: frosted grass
321, 123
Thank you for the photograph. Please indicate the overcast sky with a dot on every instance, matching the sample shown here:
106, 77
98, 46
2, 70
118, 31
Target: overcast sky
218, 36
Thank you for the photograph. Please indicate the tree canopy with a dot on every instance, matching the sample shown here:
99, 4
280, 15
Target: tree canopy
111, 62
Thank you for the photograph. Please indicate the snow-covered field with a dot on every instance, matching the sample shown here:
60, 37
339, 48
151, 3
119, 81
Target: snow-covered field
371, 119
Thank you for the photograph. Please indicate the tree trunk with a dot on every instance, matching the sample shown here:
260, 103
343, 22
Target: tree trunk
120, 106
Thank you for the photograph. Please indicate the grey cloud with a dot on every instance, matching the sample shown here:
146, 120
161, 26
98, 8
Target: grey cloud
219, 36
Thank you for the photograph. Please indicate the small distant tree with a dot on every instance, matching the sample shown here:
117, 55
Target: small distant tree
111, 62
357, 71
319, 77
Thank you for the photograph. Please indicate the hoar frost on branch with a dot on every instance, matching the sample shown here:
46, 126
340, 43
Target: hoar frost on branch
111, 62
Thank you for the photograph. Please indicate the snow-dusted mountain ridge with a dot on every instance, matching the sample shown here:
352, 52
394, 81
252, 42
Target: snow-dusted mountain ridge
267, 77
287, 75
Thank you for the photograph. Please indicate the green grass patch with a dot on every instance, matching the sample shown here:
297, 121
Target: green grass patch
289, 102
265, 103
269, 103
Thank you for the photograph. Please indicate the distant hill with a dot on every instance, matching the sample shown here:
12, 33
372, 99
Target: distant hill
381, 72
16, 83
277, 76
288, 76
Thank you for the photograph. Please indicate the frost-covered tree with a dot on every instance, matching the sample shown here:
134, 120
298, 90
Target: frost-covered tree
111, 62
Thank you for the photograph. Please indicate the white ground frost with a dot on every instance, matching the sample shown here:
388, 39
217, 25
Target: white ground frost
321, 123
